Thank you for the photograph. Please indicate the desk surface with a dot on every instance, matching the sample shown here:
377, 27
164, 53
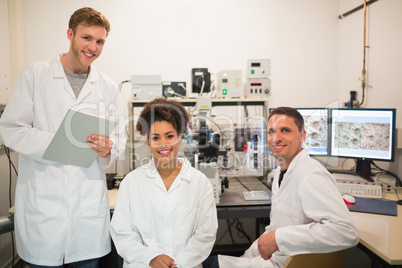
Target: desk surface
233, 196
232, 203
382, 234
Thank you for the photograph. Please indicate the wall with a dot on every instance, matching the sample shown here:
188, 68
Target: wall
316, 57
383, 57
5, 80
5, 91
171, 37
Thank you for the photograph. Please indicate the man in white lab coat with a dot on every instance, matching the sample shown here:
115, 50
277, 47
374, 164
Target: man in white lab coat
62, 211
308, 214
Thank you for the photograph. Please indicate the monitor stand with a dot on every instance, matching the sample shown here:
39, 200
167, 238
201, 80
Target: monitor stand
363, 169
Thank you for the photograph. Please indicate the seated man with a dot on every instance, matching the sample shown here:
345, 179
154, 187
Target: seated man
307, 215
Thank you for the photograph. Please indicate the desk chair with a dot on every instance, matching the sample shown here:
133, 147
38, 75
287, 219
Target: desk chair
317, 260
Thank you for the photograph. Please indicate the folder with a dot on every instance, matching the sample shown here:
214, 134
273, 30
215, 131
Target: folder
68, 145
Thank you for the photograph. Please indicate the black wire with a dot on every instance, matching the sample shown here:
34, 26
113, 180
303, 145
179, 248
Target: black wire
7, 150
242, 184
223, 235
393, 188
240, 230
10, 166
387, 172
264, 183
238, 226
230, 231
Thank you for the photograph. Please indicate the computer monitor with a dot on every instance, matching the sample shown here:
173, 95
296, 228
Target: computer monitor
316, 124
363, 134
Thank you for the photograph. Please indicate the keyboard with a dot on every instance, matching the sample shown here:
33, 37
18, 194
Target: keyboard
360, 190
255, 195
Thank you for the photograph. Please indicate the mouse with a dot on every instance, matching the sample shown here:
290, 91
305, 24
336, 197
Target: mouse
349, 199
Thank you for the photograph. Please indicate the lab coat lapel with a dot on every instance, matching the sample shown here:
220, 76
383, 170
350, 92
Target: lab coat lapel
89, 86
303, 153
152, 173
59, 74
183, 175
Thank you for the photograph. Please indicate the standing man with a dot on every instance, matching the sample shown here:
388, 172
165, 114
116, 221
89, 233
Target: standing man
62, 211
308, 214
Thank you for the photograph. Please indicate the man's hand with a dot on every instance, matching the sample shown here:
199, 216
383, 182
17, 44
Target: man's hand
100, 144
162, 261
267, 245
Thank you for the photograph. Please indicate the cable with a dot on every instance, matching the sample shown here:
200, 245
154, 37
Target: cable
238, 226
202, 86
185, 89
399, 202
7, 150
264, 183
10, 166
228, 230
240, 230
387, 172
121, 84
242, 184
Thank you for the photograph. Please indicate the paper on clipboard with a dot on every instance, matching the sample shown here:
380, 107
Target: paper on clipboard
68, 145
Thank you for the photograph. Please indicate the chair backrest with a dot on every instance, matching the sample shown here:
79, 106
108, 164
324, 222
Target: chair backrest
317, 260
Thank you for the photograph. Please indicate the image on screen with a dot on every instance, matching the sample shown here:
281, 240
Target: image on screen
316, 124
363, 133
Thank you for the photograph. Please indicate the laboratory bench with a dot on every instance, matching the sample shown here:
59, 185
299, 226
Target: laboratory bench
380, 236
232, 204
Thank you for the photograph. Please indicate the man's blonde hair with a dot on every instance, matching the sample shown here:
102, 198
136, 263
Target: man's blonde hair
88, 17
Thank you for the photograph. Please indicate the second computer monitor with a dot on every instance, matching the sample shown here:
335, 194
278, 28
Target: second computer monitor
363, 133
316, 124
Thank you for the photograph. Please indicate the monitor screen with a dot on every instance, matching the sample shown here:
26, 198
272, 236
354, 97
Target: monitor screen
316, 124
365, 134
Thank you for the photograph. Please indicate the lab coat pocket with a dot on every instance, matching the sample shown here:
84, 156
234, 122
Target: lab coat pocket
45, 197
141, 223
185, 222
93, 198
290, 218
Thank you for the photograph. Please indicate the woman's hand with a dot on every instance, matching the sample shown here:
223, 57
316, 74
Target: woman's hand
162, 261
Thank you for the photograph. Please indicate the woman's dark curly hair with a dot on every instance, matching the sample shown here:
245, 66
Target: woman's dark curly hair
162, 109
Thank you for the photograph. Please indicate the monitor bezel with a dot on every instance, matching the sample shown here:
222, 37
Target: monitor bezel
392, 134
327, 154
328, 129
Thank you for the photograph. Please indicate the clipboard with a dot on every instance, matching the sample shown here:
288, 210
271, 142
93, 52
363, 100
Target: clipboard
68, 145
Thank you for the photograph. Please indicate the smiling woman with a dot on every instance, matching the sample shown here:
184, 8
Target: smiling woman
165, 213
164, 122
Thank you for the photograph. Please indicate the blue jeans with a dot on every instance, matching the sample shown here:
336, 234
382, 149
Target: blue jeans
211, 262
93, 263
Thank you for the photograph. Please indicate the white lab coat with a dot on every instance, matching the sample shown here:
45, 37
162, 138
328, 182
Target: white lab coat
61, 211
149, 221
308, 214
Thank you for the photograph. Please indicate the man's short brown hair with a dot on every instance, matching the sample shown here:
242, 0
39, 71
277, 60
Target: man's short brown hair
88, 17
291, 112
